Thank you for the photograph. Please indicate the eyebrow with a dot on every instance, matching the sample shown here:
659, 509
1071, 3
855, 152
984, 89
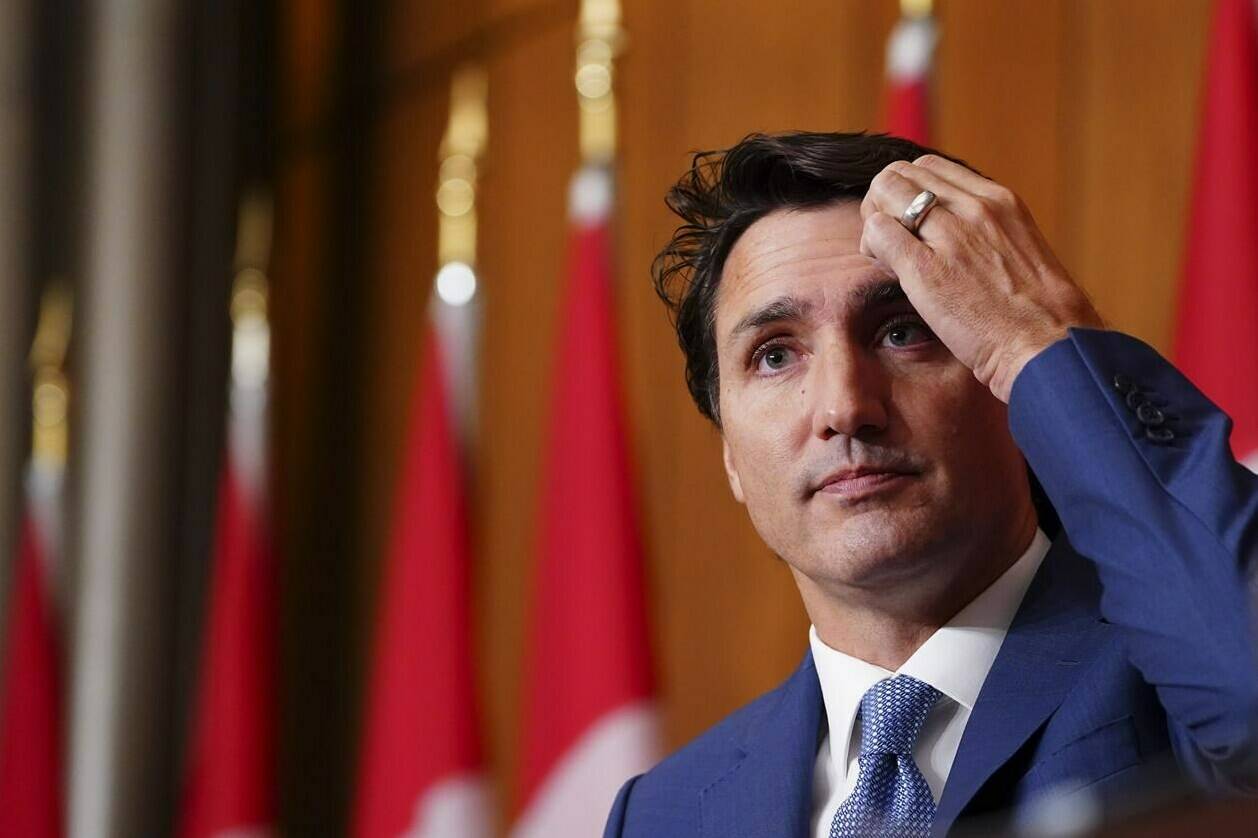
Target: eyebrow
782, 309
792, 309
879, 294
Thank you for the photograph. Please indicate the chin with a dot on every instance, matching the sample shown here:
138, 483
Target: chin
874, 547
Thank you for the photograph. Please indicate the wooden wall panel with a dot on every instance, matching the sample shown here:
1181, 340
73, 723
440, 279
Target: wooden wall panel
1127, 149
532, 153
398, 285
1087, 109
999, 97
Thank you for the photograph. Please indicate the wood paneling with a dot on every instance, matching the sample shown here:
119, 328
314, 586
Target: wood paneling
1127, 149
1087, 109
999, 97
532, 152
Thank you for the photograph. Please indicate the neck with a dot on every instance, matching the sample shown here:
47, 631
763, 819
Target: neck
885, 625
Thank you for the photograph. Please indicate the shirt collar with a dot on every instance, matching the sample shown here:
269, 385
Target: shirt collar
954, 660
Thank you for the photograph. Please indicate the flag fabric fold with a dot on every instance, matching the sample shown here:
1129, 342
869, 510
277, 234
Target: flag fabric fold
906, 96
589, 723
31, 703
421, 772
1216, 338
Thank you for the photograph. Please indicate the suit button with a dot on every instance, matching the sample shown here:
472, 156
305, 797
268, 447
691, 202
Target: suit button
1150, 415
1123, 384
1134, 399
1159, 435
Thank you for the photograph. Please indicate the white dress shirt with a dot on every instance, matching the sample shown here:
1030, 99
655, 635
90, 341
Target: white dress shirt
954, 660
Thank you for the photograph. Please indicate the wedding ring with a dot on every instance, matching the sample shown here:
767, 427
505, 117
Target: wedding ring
917, 209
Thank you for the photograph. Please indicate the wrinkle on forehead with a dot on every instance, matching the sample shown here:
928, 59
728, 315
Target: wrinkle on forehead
791, 245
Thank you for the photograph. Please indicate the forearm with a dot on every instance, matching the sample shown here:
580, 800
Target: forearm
1169, 518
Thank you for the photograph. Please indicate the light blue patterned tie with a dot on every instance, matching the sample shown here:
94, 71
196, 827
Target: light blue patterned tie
891, 796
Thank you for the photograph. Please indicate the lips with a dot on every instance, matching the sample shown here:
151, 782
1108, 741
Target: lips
856, 482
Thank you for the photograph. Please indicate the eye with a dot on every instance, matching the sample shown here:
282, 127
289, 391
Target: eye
772, 357
907, 332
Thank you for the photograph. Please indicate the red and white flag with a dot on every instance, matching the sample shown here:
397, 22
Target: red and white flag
231, 768
421, 772
1216, 341
31, 720
906, 97
589, 720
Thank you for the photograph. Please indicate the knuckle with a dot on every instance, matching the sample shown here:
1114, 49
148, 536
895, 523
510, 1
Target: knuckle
984, 211
882, 180
928, 161
882, 222
878, 228
1003, 196
869, 204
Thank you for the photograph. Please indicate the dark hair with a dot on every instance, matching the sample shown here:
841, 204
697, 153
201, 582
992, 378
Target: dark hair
724, 193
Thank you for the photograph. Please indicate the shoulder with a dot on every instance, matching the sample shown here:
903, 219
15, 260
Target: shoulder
665, 800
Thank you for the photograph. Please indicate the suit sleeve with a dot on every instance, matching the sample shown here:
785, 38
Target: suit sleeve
616, 820
1137, 464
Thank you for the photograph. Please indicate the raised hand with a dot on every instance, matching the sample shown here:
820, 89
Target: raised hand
978, 270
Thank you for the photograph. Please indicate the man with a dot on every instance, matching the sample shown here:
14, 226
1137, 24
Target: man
886, 343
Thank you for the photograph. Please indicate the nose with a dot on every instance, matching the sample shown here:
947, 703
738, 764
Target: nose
850, 393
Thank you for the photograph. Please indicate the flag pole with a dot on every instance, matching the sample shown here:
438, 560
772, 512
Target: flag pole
50, 425
599, 40
454, 306
251, 341
50, 393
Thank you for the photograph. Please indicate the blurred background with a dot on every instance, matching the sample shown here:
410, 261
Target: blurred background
205, 202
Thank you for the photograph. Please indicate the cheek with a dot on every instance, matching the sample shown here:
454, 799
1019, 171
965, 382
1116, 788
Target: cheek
761, 457
765, 422
969, 429
949, 413
766, 456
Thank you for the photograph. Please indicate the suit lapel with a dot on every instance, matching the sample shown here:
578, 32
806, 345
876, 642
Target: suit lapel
768, 792
1056, 632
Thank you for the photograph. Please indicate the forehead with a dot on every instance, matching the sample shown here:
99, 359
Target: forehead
811, 253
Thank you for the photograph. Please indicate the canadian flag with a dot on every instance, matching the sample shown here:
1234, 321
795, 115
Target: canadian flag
31, 701
906, 97
421, 772
1216, 341
589, 722
231, 769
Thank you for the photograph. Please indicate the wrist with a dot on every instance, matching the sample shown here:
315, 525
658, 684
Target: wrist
1020, 355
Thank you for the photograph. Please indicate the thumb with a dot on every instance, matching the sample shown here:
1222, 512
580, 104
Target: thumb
886, 240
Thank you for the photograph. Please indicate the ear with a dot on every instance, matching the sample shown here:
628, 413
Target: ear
731, 472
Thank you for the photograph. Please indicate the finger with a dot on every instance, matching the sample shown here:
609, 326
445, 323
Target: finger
958, 200
959, 176
889, 192
900, 182
948, 193
896, 186
886, 240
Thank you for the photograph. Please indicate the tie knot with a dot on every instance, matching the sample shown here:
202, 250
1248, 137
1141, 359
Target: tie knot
892, 714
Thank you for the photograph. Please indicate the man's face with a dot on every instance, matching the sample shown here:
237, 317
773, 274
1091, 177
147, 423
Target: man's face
863, 449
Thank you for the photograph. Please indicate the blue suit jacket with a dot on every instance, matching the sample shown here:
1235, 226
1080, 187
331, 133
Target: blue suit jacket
1131, 657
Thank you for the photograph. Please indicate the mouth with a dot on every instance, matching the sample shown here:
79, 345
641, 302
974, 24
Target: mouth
852, 485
